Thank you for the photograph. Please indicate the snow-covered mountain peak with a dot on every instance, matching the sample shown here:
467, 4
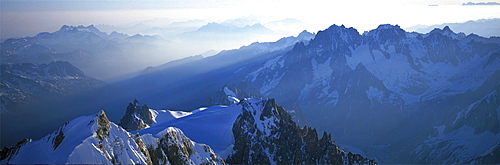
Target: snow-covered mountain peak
95, 140
336, 31
171, 146
90, 28
305, 35
65, 28
387, 33
231, 96
88, 139
387, 26
446, 31
336, 38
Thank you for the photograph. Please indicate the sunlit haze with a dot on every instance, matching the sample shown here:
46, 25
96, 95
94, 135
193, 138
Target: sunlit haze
27, 18
188, 28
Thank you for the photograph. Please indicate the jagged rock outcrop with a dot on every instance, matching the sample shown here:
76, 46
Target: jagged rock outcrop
7, 152
96, 140
136, 117
264, 133
230, 94
171, 146
84, 140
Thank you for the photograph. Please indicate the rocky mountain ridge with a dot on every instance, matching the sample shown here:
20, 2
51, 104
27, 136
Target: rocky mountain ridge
370, 89
262, 133
95, 140
265, 133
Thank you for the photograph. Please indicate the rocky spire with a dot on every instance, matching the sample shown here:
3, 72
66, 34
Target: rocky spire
136, 117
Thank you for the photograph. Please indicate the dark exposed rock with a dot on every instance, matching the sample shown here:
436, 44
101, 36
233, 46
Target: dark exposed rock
58, 140
136, 117
143, 148
269, 136
103, 128
242, 90
175, 148
7, 152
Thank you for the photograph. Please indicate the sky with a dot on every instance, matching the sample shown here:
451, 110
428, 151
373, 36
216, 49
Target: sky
20, 18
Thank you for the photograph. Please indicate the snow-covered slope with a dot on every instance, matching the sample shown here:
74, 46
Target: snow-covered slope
257, 131
212, 126
247, 132
231, 94
139, 116
172, 146
95, 140
84, 140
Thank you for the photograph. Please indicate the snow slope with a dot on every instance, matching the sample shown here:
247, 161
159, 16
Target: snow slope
212, 126
95, 140
84, 140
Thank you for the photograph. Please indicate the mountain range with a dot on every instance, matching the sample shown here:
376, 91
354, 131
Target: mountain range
247, 132
382, 92
482, 27
387, 94
98, 54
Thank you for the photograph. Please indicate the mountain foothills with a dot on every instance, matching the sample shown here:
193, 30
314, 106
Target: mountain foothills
387, 94
258, 131
26, 84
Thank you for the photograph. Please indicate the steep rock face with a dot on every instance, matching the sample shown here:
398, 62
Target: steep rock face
136, 117
264, 133
232, 94
171, 146
363, 88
